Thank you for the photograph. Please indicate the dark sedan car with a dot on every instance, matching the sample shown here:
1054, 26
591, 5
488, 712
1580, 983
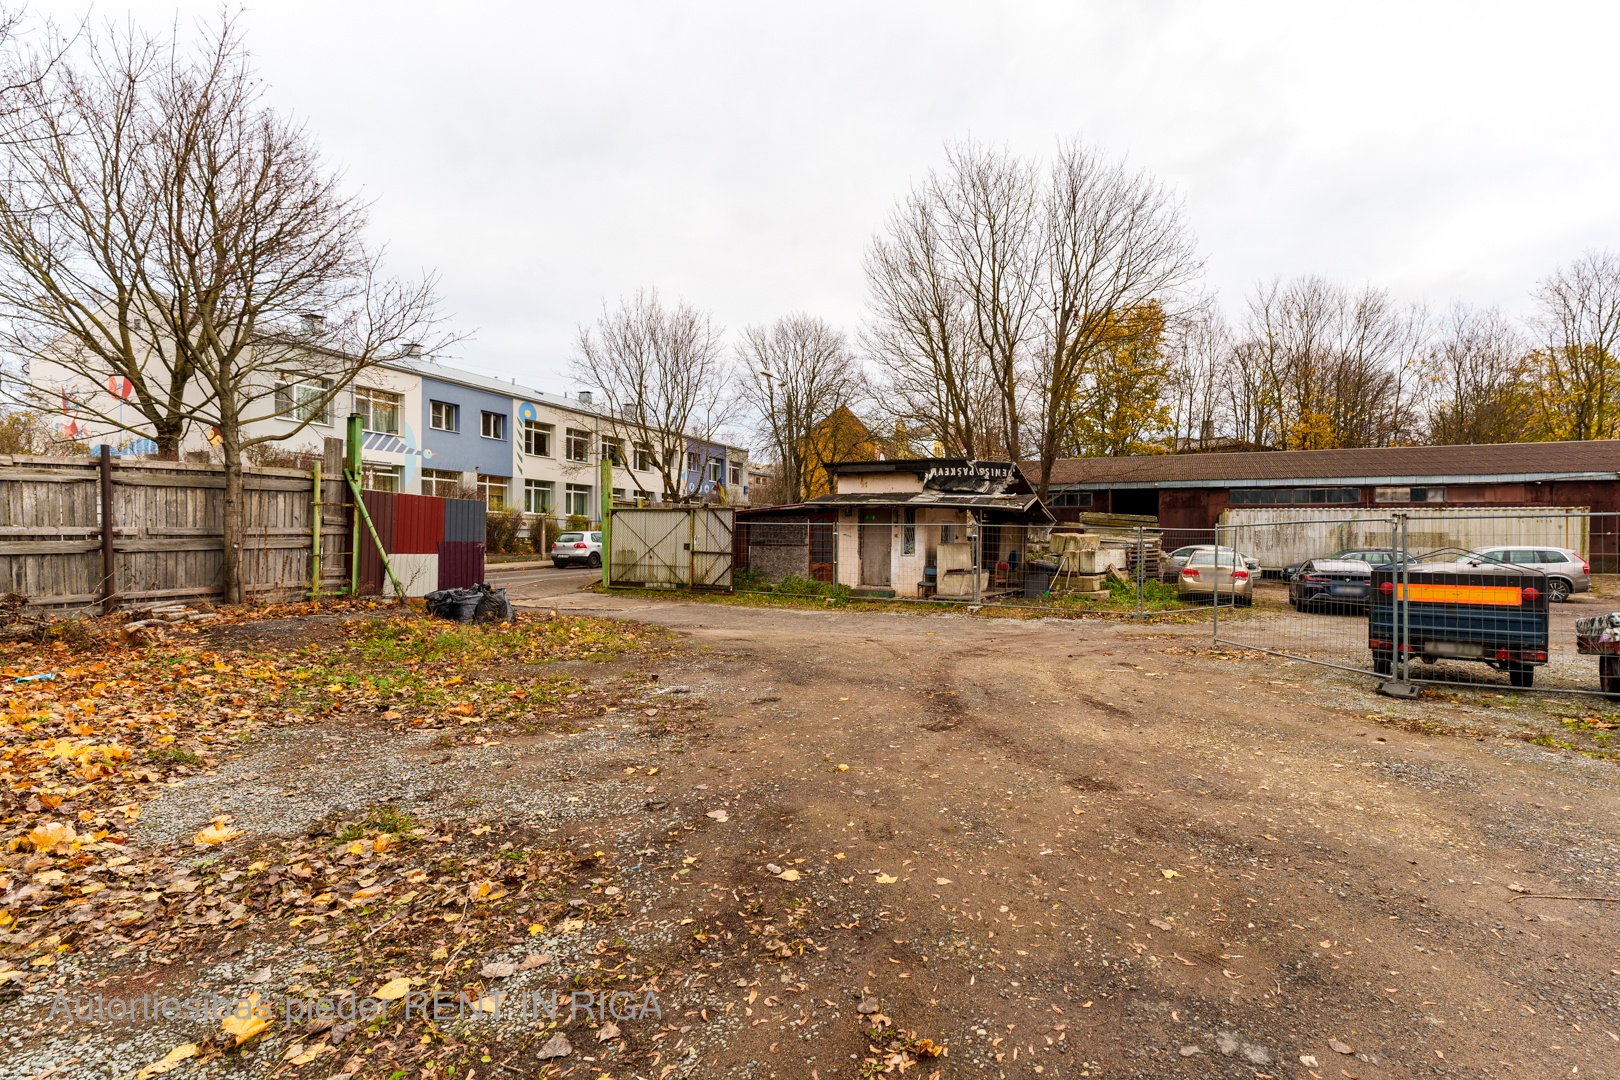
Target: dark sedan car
1366, 555
1331, 584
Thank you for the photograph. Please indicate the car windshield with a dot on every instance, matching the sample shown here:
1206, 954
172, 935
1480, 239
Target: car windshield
569, 538
1207, 558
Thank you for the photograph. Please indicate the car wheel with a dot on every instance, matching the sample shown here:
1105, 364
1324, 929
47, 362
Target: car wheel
594, 561
558, 563
1245, 601
1382, 665
1521, 675
1558, 590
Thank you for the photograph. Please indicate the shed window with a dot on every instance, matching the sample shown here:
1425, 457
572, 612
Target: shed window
1294, 496
1410, 494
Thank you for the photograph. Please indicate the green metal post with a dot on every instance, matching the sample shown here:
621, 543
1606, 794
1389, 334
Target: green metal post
607, 517
351, 470
360, 508
315, 535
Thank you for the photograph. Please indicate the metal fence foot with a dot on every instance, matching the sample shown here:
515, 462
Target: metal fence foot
1398, 688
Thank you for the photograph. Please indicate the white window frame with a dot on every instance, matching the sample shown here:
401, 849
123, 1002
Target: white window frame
495, 490
539, 496
432, 478
537, 434
295, 397
577, 444
366, 402
450, 409
579, 491
492, 421
641, 453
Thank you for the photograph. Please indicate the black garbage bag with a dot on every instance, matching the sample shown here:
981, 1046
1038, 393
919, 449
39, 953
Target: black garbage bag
477, 604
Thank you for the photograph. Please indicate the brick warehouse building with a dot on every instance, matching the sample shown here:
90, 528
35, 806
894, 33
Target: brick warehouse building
1189, 491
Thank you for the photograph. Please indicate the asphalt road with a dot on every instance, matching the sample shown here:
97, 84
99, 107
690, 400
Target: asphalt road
529, 583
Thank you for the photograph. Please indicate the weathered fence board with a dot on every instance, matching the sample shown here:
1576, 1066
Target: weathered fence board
168, 531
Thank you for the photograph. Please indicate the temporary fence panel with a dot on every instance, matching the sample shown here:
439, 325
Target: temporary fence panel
1282, 537
672, 547
464, 520
1500, 611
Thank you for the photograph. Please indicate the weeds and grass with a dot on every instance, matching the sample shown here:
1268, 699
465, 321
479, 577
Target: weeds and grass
173, 755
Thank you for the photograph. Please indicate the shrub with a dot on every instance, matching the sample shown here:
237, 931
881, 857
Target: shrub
501, 529
542, 534
793, 585
578, 522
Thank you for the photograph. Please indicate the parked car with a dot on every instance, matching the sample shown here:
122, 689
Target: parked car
1567, 572
1331, 584
1370, 556
1170, 565
582, 548
1224, 574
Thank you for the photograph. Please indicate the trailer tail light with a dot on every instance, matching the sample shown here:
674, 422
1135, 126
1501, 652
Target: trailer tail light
1502, 654
1380, 644
1387, 588
1531, 594
1536, 656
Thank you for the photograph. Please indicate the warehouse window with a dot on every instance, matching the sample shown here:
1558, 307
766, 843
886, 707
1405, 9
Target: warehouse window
1410, 494
1072, 498
1294, 496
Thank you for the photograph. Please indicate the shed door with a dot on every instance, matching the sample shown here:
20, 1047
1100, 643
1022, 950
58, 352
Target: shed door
877, 543
823, 548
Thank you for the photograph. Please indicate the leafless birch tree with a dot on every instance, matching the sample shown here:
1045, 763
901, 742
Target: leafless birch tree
1577, 360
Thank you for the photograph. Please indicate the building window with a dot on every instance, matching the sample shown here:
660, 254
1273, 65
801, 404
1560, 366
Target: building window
717, 469
537, 495
736, 476
1294, 496
536, 438
304, 399
492, 425
618, 494
1409, 494
379, 477
613, 450
1072, 498
642, 496
577, 445
443, 483
579, 500
643, 457
694, 461
378, 409
492, 489
442, 417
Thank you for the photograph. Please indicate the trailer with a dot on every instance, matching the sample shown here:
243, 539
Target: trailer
1494, 614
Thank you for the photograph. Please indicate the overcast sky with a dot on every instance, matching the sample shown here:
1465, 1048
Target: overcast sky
541, 157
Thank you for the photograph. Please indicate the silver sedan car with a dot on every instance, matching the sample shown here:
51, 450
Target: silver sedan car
1225, 577
1567, 571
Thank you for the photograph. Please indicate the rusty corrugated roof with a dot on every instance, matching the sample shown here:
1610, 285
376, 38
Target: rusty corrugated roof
1597, 459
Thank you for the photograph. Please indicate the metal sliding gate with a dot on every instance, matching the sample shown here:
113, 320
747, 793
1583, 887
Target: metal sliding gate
678, 547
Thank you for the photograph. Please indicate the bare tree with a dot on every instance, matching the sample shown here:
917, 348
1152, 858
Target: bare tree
161, 226
1116, 245
989, 204
1202, 367
920, 334
1577, 321
1478, 379
662, 378
796, 374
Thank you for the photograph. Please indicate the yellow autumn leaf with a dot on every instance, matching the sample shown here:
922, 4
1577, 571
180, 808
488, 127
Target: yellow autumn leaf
942, 881
171, 1061
247, 1018
308, 1055
382, 843
440, 953
886, 879
568, 926
393, 990
51, 835
535, 928
1169, 874
789, 875
216, 833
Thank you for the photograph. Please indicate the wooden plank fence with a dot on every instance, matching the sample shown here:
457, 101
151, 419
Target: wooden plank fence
168, 531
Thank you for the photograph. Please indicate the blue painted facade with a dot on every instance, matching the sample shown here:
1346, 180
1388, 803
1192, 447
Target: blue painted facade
465, 450
698, 480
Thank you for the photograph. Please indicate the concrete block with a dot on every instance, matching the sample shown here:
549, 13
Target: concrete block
418, 574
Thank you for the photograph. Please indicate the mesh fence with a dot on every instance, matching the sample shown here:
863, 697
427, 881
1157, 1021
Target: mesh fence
1520, 600
1513, 600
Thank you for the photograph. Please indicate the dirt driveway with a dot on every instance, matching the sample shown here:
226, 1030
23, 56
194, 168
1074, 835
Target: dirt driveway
1057, 849
1121, 850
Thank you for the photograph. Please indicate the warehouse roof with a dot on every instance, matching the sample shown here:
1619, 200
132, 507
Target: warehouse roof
1597, 459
